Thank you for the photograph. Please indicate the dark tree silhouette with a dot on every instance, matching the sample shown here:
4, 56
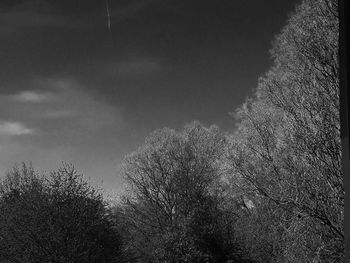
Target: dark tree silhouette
54, 218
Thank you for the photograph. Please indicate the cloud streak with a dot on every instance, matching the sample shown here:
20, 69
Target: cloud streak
56, 119
59, 108
31, 96
14, 129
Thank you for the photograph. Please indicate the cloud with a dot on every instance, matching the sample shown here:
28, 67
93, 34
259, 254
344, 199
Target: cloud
72, 126
69, 99
59, 107
31, 96
14, 128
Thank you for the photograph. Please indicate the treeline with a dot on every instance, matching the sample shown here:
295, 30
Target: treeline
272, 191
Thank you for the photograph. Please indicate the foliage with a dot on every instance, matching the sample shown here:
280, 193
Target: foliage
287, 145
56, 218
173, 202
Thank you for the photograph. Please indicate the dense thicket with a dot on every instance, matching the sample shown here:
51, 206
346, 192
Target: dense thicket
54, 218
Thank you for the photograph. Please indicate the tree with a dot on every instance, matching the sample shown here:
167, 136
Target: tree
173, 200
54, 218
287, 145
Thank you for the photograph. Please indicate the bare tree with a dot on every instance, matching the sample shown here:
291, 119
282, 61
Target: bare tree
287, 146
173, 197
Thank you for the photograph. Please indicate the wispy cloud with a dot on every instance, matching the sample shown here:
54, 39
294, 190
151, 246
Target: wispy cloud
31, 96
70, 100
72, 126
14, 128
58, 106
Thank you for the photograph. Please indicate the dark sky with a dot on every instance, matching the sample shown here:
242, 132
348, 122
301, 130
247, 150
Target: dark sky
73, 90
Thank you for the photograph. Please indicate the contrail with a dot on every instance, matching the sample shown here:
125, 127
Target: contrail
108, 17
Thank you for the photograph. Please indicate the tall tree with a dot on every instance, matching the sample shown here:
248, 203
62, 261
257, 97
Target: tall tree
173, 196
287, 145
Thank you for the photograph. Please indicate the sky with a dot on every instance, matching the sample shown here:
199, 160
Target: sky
74, 89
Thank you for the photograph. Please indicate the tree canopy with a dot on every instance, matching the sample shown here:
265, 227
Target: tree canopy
287, 145
173, 198
54, 218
